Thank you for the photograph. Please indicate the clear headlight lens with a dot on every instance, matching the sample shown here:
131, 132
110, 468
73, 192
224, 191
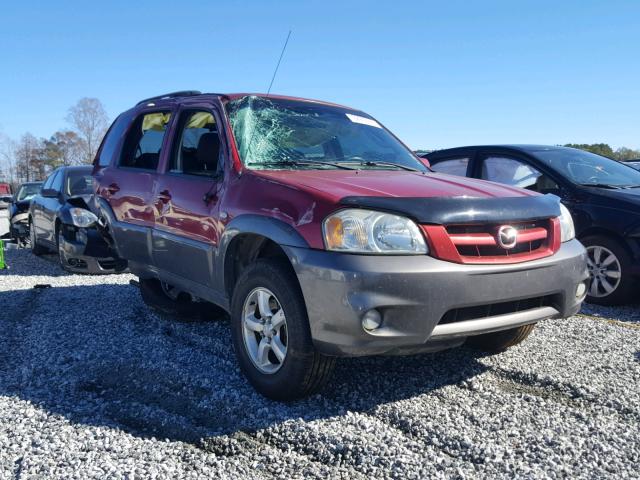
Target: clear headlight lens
366, 231
567, 230
82, 218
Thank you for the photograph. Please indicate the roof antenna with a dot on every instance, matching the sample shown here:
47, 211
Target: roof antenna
284, 47
275, 72
209, 195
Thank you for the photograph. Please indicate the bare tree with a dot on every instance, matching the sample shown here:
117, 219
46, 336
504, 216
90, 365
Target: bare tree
64, 148
30, 160
90, 121
7, 159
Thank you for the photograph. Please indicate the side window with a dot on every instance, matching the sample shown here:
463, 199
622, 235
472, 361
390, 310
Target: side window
516, 173
197, 146
144, 141
57, 182
111, 140
49, 180
452, 166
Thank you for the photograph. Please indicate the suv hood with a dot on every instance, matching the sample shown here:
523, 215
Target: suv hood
337, 184
431, 198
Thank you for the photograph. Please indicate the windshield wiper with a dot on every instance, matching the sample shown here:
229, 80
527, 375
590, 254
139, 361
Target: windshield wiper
370, 163
601, 185
297, 163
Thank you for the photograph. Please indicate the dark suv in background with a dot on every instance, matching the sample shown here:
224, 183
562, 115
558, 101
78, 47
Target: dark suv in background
603, 196
324, 236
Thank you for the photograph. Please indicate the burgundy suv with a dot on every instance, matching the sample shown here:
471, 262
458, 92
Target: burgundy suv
324, 236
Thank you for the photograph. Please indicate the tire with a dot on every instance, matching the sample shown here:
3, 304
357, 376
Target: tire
497, 342
180, 305
36, 248
303, 370
615, 274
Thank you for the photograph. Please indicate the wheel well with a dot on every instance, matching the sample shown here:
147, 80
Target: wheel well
590, 232
245, 249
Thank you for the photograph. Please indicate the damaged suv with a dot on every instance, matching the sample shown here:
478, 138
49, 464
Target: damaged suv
324, 236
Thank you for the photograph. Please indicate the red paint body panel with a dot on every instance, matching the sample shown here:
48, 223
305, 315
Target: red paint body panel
301, 199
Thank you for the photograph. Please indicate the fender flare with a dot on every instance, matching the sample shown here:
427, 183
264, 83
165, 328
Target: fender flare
270, 228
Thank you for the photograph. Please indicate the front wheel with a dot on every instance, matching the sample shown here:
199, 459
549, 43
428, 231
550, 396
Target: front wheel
271, 335
497, 342
609, 266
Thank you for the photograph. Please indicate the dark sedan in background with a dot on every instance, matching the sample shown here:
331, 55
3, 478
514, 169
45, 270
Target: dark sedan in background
603, 196
19, 212
61, 220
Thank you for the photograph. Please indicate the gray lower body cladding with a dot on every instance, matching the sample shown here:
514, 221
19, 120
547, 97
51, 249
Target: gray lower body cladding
428, 304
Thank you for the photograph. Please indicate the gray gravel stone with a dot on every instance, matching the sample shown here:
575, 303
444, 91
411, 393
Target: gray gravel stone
94, 385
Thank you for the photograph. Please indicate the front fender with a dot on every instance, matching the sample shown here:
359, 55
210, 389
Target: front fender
272, 229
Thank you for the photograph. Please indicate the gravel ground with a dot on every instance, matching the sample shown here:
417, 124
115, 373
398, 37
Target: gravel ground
94, 385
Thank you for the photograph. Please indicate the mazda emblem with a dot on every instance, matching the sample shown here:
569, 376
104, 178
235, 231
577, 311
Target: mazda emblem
507, 237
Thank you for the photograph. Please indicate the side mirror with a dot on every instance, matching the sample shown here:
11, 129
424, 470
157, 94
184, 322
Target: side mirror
49, 193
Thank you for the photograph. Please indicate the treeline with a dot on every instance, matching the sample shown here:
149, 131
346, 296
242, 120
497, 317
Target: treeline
30, 158
621, 154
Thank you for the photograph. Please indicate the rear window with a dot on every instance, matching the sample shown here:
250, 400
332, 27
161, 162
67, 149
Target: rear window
144, 142
112, 140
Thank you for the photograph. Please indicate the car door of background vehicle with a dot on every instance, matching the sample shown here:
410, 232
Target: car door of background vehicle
37, 219
514, 170
186, 204
128, 181
48, 208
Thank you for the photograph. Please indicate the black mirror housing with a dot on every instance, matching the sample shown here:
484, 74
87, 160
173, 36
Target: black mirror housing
49, 193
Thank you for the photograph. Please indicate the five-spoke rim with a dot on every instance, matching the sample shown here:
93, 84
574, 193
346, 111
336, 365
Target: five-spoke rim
605, 270
264, 329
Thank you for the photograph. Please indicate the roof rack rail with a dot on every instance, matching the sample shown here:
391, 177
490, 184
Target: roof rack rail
182, 93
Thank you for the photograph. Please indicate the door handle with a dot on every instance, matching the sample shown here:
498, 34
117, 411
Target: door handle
113, 188
164, 196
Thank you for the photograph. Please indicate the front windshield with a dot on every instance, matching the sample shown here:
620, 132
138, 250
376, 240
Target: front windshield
585, 168
27, 192
284, 134
78, 183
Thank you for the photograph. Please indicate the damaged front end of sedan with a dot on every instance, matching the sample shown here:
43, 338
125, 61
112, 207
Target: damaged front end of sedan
84, 245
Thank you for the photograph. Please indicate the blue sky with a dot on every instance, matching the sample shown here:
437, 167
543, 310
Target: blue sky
439, 74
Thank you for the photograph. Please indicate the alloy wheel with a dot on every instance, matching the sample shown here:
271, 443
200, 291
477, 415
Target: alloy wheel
604, 269
264, 329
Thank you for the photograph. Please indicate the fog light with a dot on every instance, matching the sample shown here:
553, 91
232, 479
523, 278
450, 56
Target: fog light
371, 320
581, 289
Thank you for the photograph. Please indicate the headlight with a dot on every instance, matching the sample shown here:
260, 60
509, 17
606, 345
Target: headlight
567, 230
366, 231
82, 218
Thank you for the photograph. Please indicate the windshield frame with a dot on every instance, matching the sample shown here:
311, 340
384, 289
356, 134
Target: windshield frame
416, 163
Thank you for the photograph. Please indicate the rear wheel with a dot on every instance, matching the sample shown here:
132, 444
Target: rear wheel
271, 335
609, 264
36, 248
496, 342
169, 300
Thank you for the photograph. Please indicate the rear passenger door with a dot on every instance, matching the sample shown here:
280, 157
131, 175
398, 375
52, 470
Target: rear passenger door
128, 183
186, 203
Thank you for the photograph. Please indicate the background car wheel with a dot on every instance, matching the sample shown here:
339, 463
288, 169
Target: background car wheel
609, 264
271, 335
497, 342
170, 301
36, 248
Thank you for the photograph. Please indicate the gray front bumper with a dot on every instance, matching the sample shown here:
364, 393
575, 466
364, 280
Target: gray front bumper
414, 293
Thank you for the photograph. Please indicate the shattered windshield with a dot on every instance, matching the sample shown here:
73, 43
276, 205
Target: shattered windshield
285, 134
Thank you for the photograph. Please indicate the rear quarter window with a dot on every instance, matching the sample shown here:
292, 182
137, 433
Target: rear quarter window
112, 140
